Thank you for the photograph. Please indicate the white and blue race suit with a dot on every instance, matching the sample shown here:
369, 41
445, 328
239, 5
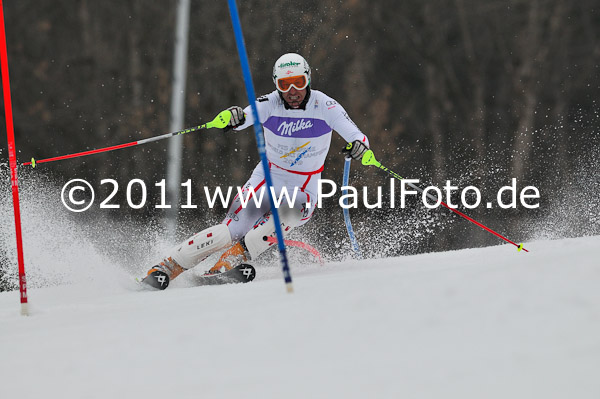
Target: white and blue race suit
297, 142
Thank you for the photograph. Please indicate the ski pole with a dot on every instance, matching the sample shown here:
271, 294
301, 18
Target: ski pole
220, 121
369, 159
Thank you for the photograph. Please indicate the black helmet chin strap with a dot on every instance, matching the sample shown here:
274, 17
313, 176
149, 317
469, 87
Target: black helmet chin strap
302, 104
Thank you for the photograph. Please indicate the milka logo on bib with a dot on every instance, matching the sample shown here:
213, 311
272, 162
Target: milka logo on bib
287, 128
294, 128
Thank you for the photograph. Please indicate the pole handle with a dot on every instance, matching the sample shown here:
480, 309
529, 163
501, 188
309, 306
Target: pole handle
368, 159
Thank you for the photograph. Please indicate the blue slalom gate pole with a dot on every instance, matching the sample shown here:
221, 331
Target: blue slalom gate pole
353, 239
260, 140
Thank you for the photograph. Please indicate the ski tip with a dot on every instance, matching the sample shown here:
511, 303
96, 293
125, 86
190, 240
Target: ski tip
248, 271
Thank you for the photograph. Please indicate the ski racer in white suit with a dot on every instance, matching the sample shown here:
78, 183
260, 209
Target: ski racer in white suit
297, 124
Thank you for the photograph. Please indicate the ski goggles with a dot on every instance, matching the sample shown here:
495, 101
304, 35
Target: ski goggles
285, 84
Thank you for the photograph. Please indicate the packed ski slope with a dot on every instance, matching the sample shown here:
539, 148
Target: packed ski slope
477, 323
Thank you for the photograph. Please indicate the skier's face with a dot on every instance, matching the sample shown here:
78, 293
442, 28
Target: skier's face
294, 97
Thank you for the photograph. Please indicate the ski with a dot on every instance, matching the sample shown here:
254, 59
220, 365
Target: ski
243, 273
155, 281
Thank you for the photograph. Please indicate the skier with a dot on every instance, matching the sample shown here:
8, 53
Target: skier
297, 124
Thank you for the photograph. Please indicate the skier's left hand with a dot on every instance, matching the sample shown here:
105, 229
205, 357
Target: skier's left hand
355, 150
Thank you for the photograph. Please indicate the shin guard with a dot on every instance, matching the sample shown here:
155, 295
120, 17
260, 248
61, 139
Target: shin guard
256, 239
201, 245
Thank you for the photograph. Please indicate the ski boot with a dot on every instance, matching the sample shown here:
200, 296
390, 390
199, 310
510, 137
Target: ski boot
160, 275
234, 256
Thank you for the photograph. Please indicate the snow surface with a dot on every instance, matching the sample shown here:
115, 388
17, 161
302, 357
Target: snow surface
476, 323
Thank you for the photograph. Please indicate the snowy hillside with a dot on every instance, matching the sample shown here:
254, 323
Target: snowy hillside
478, 323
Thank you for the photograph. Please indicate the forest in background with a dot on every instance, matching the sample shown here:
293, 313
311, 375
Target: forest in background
474, 91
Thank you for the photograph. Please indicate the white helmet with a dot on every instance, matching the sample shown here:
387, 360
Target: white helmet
290, 66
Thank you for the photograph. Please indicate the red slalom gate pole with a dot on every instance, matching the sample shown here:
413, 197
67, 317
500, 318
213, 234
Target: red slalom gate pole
12, 156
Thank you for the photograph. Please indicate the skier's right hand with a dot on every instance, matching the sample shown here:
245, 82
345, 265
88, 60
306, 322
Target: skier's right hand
237, 118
